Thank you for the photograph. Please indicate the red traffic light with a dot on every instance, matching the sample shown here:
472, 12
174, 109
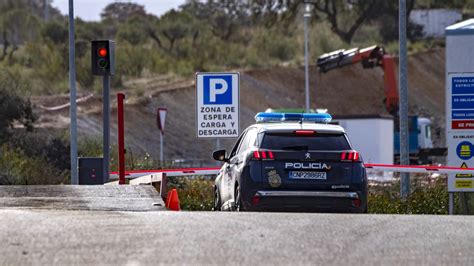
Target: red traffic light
102, 52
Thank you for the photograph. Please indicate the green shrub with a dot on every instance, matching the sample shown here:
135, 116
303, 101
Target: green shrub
195, 194
426, 198
16, 168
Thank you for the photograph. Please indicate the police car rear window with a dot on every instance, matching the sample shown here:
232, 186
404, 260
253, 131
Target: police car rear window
327, 142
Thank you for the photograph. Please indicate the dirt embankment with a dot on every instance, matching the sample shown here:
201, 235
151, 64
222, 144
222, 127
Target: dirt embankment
347, 91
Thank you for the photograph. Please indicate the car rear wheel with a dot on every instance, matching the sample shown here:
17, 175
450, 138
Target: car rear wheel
238, 201
217, 200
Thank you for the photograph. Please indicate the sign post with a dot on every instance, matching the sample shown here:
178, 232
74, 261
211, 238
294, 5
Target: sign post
161, 118
217, 106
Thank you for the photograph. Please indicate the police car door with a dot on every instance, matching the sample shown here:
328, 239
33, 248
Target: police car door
227, 181
238, 162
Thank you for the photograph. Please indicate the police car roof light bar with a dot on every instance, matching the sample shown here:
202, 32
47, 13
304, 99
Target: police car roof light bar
293, 117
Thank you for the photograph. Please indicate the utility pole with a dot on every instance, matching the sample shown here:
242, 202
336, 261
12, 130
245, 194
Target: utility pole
72, 96
403, 109
307, 16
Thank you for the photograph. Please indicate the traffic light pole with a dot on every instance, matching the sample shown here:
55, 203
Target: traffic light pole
106, 122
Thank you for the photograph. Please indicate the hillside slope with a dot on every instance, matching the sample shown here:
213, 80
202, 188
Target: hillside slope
348, 91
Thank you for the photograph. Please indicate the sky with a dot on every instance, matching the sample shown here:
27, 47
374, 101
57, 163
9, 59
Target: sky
90, 9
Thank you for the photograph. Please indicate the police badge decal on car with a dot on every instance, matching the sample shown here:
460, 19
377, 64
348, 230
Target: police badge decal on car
274, 179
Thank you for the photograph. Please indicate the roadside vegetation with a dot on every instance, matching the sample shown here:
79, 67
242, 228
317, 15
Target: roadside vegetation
198, 36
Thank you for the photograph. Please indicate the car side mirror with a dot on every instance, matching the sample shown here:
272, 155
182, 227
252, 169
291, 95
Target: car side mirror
219, 155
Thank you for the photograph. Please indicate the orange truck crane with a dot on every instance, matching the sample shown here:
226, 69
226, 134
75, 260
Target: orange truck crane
370, 57
421, 144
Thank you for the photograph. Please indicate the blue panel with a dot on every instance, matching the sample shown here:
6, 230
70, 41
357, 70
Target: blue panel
463, 114
464, 150
218, 89
463, 102
462, 85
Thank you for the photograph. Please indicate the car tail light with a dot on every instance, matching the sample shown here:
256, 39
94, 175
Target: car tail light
255, 200
263, 155
356, 202
350, 156
305, 132
270, 155
256, 155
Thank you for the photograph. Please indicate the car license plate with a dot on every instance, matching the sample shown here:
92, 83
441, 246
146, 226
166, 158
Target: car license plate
308, 175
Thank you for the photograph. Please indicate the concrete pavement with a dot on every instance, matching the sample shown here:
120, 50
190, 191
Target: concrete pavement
89, 198
45, 237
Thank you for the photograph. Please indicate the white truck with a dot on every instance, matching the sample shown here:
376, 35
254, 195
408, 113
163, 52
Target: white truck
376, 137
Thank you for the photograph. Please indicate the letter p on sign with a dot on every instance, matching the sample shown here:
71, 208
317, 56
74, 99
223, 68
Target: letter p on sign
218, 89
217, 86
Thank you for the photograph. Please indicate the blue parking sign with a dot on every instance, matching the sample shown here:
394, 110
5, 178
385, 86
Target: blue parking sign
217, 105
217, 89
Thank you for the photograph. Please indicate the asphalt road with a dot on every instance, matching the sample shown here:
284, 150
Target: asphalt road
66, 237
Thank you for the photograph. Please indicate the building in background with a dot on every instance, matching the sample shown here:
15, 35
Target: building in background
435, 21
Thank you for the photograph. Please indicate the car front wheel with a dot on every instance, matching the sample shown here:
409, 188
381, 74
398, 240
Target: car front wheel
217, 200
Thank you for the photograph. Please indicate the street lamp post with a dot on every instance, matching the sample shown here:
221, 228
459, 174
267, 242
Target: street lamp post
307, 16
403, 110
72, 97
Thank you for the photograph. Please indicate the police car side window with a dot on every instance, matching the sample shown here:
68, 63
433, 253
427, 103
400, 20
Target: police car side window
244, 144
252, 138
237, 144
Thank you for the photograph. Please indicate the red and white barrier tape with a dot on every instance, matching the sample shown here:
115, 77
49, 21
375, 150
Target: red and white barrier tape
420, 169
169, 172
378, 167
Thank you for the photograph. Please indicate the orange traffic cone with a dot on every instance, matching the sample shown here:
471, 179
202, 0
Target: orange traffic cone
172, 200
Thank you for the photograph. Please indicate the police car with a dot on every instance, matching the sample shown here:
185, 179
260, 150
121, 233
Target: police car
291, 162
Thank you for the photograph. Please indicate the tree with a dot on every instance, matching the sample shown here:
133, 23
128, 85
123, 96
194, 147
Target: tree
121, 12
133, 31
16, 27
271, 13
347, 16
224, 17
337, 10
174, 26
56, 32
13, 109
389, 21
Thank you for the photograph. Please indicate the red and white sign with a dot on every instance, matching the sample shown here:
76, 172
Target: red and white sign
160, 119
463, 124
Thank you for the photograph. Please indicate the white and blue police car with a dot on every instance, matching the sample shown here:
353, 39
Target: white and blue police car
291, 162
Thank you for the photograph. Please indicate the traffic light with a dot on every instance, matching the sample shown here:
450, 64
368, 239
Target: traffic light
103, 58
